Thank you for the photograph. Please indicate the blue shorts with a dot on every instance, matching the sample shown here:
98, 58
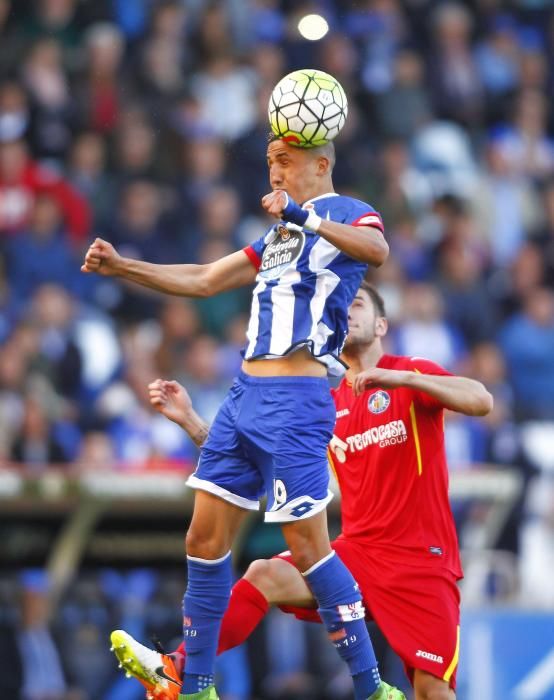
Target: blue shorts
270, 436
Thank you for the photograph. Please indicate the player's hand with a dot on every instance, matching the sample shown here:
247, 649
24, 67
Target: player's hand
170, 399
382, 378
275, 202
101, 257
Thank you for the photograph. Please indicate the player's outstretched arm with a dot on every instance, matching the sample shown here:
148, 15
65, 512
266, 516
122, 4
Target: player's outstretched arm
172, 400
363, 243
230, 272
459, 394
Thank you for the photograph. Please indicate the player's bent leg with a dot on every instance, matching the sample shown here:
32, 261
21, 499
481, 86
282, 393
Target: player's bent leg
154, 670
280, 582
429, 687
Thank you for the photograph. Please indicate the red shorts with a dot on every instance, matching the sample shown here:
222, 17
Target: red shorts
417, 608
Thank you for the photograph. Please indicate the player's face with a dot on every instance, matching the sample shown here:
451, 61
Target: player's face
292, 169
363, 325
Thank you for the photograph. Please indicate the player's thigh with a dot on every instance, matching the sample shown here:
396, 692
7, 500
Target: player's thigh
224, 469
429, 687
418, 611
298, 417
213, 527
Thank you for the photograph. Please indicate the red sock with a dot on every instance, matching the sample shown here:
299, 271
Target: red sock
247, 607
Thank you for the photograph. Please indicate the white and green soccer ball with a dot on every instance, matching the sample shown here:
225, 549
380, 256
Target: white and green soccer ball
307, 108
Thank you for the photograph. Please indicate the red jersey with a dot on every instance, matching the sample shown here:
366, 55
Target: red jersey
389, 458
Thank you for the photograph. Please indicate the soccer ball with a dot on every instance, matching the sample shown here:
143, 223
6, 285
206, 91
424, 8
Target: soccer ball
307, 108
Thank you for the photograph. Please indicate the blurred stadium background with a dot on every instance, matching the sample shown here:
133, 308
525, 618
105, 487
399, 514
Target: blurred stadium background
144, 121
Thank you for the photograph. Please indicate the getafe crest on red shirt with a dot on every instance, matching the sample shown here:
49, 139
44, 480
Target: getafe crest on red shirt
378, 402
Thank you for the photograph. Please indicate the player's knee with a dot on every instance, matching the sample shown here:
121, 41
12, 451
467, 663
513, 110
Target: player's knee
203, 545
259, 574
304, 556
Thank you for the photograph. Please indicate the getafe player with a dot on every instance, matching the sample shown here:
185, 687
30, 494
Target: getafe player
398, 537
272, 431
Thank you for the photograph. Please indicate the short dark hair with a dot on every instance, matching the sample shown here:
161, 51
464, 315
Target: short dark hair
375, 297
327, 149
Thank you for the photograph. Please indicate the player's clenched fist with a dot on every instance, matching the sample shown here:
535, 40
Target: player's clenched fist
101, 257
275, 202
170, 399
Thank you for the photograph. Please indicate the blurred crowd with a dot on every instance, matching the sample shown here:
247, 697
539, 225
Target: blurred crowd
145, 123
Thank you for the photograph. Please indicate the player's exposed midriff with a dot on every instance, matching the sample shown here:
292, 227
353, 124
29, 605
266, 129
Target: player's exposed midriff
300, 363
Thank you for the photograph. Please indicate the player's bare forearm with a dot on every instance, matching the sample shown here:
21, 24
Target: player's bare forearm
195, 427
179, 280
230, 272
459, 394
362, 243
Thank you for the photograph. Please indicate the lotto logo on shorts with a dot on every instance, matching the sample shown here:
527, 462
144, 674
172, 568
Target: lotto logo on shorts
352, 611
430, 657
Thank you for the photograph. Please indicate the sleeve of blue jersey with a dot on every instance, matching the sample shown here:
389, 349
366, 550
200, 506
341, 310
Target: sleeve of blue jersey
259, 245
255, 251
356, 213
361, 214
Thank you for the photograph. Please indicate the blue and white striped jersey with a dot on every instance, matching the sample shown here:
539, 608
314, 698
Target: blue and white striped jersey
305, 285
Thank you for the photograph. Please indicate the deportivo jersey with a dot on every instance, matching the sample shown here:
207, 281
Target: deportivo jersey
389, 459
305, 285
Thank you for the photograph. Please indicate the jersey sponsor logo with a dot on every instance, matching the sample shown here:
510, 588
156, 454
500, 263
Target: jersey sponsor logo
430, 657
378, 402
392, 433
283, 250
343, 412
351, 611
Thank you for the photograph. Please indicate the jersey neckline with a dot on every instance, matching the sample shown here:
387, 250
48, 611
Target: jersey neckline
320, 196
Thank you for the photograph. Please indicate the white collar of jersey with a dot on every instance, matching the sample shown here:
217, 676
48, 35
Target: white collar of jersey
321, 196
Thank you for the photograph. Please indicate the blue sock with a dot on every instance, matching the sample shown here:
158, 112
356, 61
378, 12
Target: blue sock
342, 612
205, 601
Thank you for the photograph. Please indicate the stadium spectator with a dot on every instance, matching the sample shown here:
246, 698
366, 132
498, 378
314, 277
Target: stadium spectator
53, 107
424, 332
527, 341
506, 205
87, 171
35, 445
31, 663
453, 76
41, 253
22, 180
99, 92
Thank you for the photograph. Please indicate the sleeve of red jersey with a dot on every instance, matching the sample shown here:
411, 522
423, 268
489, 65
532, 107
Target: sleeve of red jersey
423, 366
254, 252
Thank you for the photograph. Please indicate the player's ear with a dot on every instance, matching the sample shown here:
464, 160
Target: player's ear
381, 326
323, 165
